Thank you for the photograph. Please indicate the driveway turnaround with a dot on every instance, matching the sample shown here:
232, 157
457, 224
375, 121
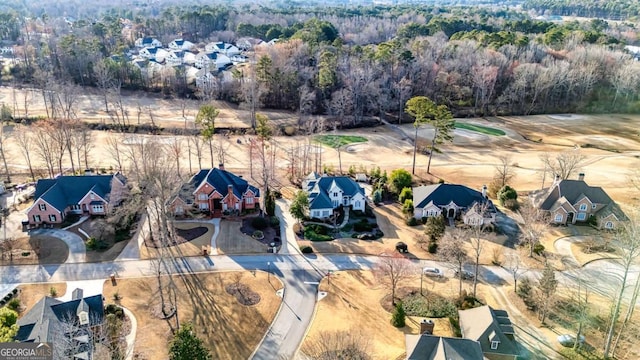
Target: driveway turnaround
77, 249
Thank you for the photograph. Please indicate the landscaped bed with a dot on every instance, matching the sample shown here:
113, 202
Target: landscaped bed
265, 230
480, 129
182, 236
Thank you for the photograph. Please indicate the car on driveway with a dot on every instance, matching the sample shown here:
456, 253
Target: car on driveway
432, 271
466, 274
568, 340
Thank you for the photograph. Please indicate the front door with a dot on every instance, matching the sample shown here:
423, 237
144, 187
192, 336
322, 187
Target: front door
570, 218
217, 204
451, 213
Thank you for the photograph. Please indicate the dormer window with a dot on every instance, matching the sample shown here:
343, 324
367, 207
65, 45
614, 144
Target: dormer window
494, 345
83, 317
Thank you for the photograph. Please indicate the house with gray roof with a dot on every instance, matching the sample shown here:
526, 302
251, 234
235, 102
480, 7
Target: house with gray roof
148, 41
429, 347
492, 329
573, 201
454, 202
214, 191
69, 325
181, 44
55, 199
327, 193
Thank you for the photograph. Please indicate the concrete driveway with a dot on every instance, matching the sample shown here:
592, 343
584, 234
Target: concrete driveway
77, 249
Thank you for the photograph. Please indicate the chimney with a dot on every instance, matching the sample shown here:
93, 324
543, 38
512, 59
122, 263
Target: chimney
581, 176
221, 166
76, 294
88, 172
556, 179
426, 327
484, 191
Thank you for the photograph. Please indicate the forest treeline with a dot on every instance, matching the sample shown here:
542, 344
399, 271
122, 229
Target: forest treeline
348, 62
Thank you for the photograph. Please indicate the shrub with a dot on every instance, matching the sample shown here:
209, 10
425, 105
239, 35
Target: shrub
405, 194
26, 253
116, 296
538, 249
593, 221
377, 196
347, 227
412, 221
434, 228
362, 226
2, 302
53, 292
525, 292
423, 220
14, 304
15, 291
115, 310
306, 249
92, 243
274, 221
311, 234
433, 247
399, 316
511, 204
399, 179
259, 223
507, 193
258, 234
407, 207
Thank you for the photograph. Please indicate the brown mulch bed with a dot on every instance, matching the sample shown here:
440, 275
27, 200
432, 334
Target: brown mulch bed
182, 236
243, 294
270, 234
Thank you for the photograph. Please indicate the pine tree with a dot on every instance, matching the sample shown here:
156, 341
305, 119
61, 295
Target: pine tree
187, 346
398, 317
547, 286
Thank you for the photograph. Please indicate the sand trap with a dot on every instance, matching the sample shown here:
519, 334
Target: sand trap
566, 117
358, 148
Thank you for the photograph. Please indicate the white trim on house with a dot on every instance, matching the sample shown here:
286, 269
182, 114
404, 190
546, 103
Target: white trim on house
46, 202
555, 218
89, 193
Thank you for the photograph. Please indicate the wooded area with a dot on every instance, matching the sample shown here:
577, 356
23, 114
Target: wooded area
346, 62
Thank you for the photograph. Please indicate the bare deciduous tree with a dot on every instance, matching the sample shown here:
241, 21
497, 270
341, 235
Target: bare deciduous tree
451, 250
4, 135
339, 345
115, 149
392, 270
533, 225
563, 164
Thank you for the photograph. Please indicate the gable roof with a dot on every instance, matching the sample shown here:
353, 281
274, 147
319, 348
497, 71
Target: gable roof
443, 194
573, 190
69, 190
220, 180
318, 187
429, 347
49, 315
482, 323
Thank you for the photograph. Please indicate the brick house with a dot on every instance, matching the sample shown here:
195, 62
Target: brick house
214, 191
54, 199
572, 201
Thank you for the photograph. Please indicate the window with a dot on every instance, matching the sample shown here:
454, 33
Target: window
494, 345
356, 205
202, 197
583, 207
93, 197
97, 208
608, 225
84, 318
315, 213
204, 206
36, 218
325, 213
52, 218
179, 210
558, 218
42, 207
335, 194
75, 207
582, 216
593, 206
249, 200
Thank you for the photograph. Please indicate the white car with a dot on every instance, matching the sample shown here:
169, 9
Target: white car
567, 340
432, 271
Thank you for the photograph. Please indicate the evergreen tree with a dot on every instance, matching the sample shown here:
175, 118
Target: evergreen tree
547, 286
399, 316
187, 346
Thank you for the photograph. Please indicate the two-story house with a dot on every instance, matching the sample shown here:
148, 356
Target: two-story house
212, 61
454, 202
213, 191
154, 53
148, 41
571, 201
181, 44
222, 47
327, 193
493, 329
54, 199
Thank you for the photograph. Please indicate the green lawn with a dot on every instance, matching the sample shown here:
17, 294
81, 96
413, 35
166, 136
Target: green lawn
339, 140
481, 129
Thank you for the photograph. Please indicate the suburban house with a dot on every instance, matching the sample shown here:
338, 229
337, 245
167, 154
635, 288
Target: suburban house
214, 191
454, 202
571, 201
54, 199
148, 42
71, 325
181, 44
429, 347
327, 193
239, 58
492, 329
156, 53
205, 80
212, 61
222, 47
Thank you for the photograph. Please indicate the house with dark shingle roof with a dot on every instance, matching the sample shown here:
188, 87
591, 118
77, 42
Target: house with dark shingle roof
181, 44
213, 191
69, 325
327, 193
54, 199
222, 47
430, 347
492, 329
572, 201
453, 202
148, 41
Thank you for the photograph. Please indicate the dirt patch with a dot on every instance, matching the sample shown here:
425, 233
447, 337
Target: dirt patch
37, 249
229, 329
243, 294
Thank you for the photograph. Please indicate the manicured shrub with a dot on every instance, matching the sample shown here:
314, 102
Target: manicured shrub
258, 234
306, 249
53, 292
412, 221
407, 207
433, 247
274, 221
259, 223
399, 316
405, 194
362, 226
507, 193
14, 304
538, 249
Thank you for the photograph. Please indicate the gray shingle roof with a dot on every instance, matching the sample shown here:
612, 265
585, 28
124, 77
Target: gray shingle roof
69, 190
572, 191
322, 184
429, 347
219, 179
443, 194
481, 322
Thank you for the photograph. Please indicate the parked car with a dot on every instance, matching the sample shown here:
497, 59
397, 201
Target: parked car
568, 340
466, 274
402, 247
432, 271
